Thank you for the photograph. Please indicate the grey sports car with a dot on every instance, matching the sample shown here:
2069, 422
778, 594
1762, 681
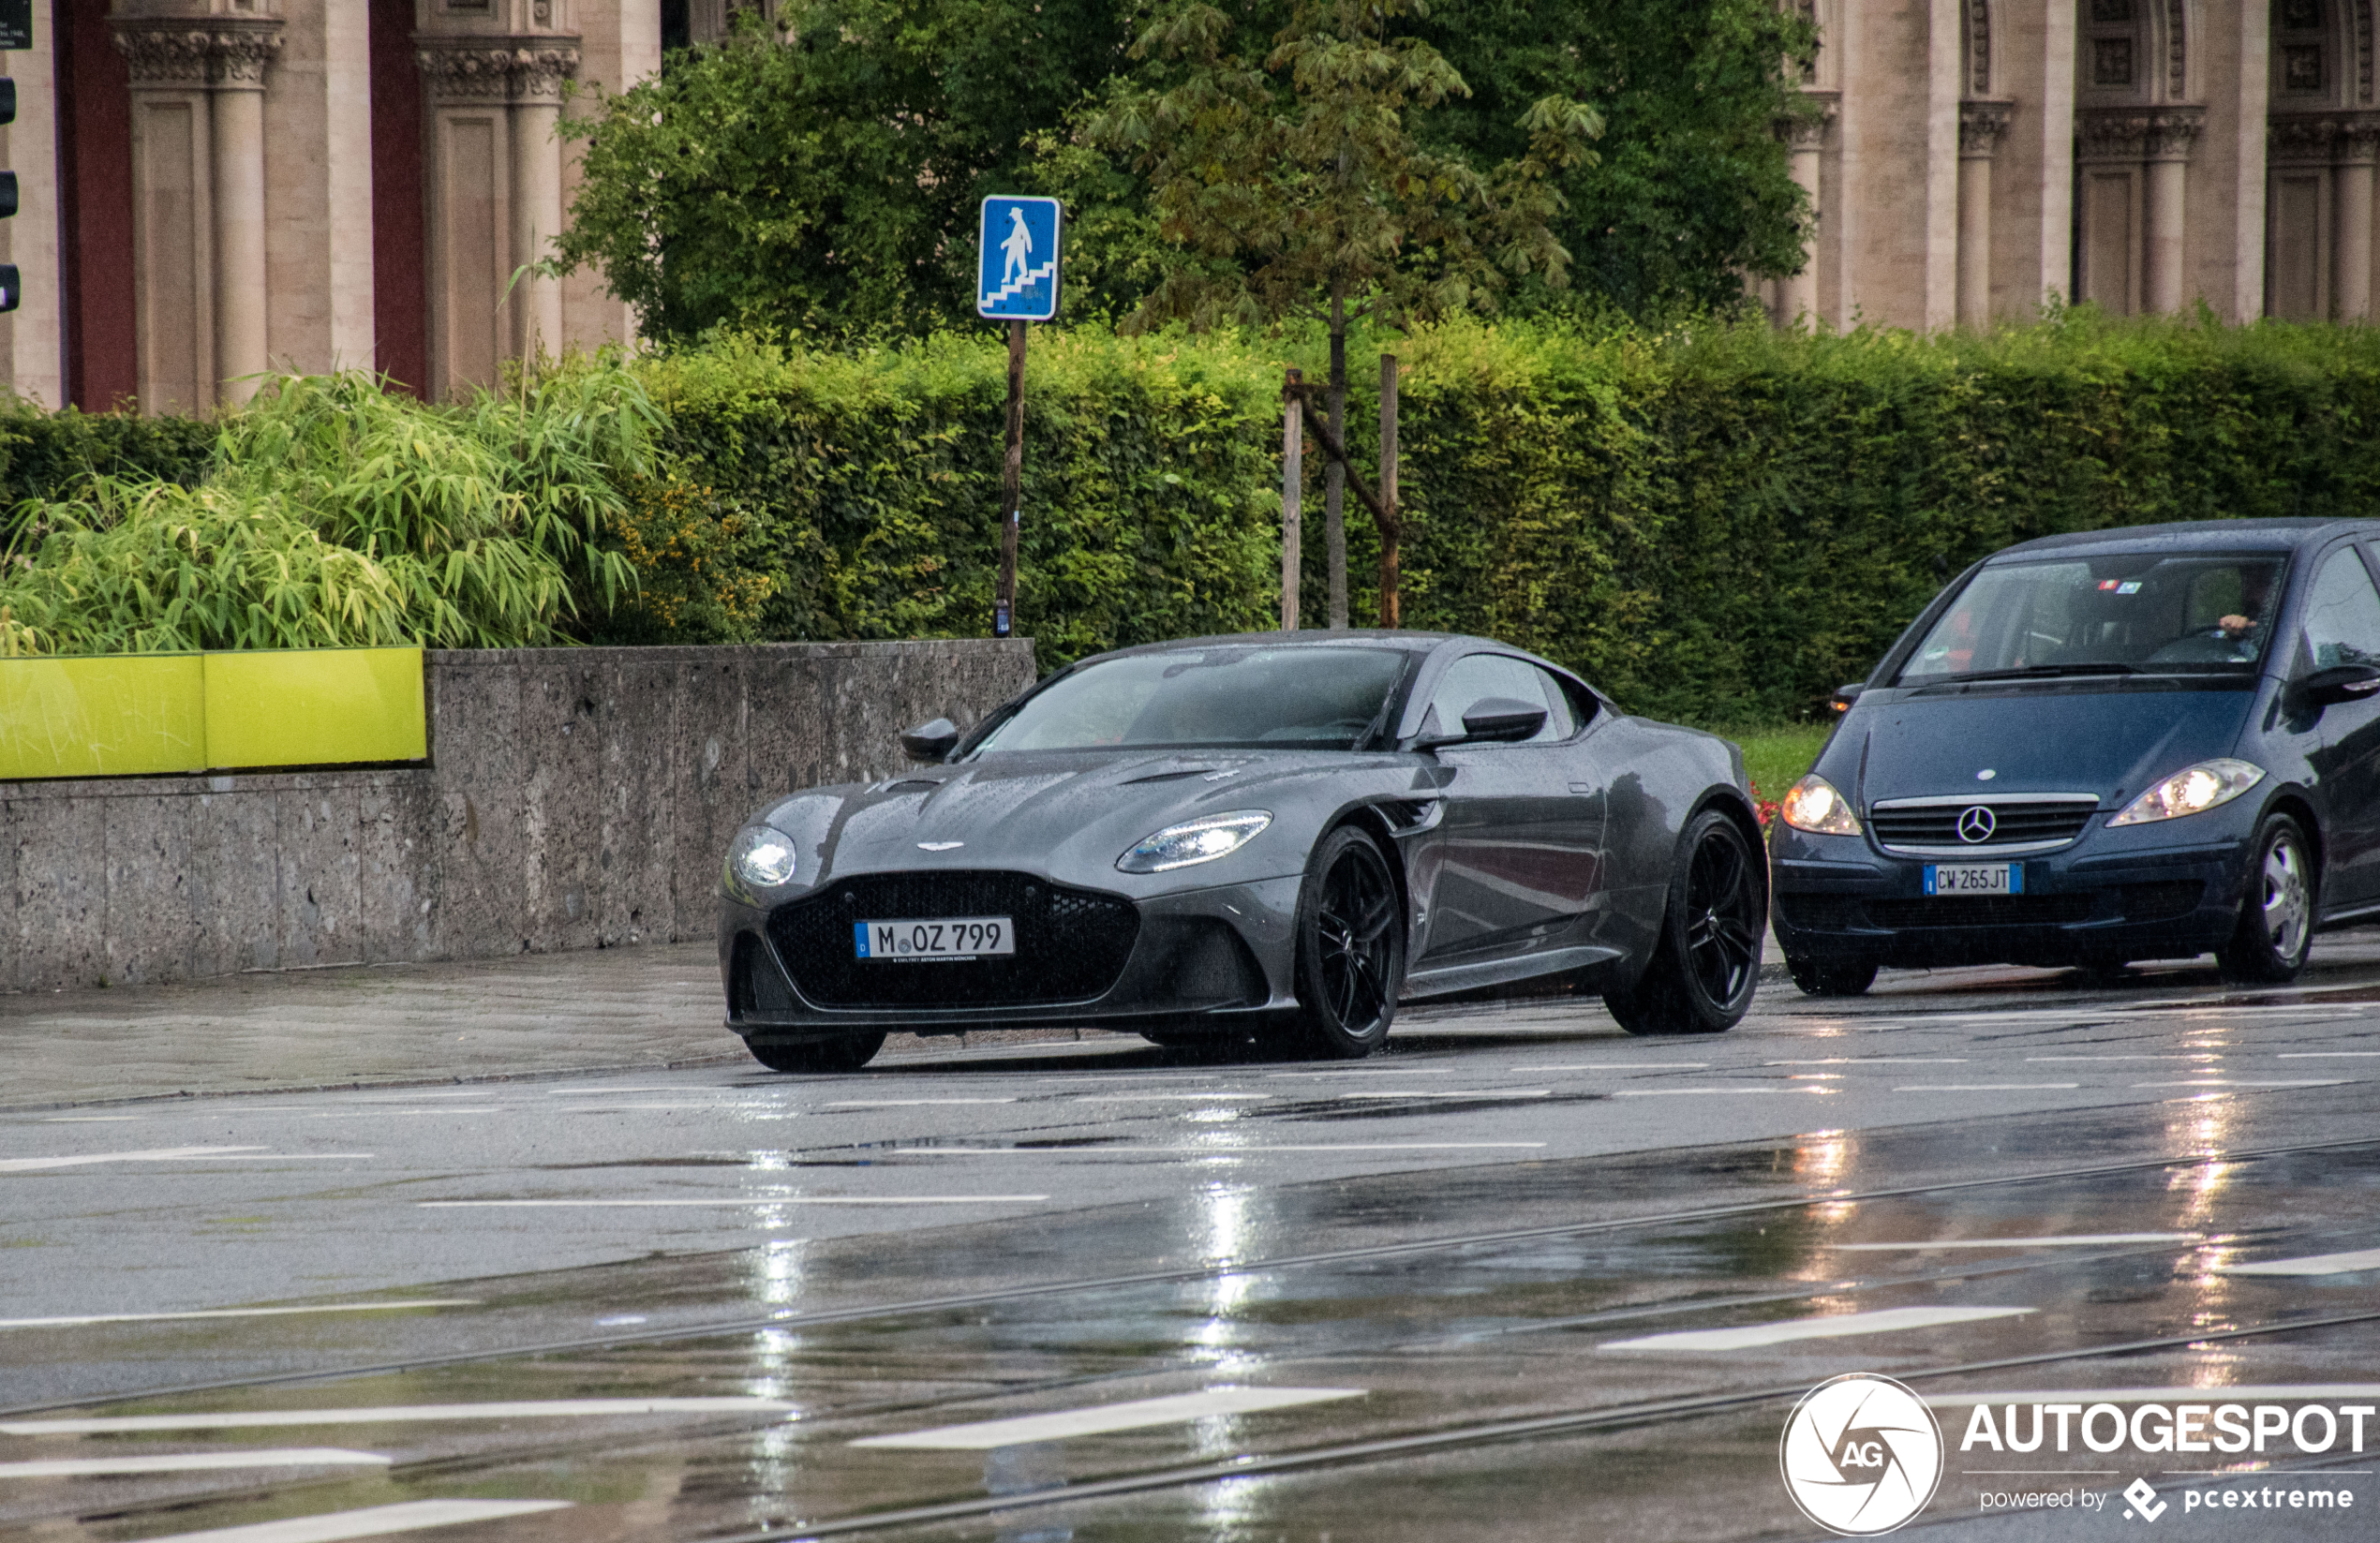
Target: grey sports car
1273, 838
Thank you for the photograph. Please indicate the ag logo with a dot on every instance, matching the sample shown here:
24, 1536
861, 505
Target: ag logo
1861, 1455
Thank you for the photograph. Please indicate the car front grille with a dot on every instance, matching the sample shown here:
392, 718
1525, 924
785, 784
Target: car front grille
1937, 826
1071, 944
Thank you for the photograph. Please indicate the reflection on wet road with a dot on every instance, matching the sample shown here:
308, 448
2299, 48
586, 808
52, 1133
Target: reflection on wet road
1525, 1276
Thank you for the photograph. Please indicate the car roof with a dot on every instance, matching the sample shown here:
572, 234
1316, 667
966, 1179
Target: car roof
1408, 641
2189, 536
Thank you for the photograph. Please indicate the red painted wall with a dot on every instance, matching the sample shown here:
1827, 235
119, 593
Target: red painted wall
94, 153
400, 299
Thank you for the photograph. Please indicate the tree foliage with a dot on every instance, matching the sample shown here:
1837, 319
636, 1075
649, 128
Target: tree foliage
824, 174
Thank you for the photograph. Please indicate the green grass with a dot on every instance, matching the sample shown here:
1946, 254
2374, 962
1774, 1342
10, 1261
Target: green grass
1777, 757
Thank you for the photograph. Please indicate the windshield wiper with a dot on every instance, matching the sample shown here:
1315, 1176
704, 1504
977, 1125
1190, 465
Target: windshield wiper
2036, 672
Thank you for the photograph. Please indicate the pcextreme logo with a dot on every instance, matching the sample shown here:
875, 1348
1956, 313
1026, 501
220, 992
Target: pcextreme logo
1861, 1454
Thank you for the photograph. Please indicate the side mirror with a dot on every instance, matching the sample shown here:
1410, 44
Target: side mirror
1495, 719
930, 741
2338, 683
1844, 696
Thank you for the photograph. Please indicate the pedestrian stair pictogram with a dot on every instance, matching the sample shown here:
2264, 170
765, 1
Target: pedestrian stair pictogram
1018, 286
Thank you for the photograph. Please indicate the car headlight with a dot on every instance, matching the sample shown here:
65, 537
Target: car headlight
2193, 790
761, 858
1195, 841
1813, 805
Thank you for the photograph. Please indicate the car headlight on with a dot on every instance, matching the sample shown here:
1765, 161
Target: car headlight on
761, 858
1813, 805
1195, 841
2193, 790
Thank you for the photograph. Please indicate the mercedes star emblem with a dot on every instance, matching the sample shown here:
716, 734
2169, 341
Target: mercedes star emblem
1975, 824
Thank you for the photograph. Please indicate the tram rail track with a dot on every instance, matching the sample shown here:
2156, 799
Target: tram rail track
1187, 1274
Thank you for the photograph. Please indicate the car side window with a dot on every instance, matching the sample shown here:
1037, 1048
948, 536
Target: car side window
2343, 613
1477, 677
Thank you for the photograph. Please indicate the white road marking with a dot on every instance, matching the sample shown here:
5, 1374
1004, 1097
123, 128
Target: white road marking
1891, 1320
409, 1516
1985, 1086
1873, 1060
2254, 1392
394, 1413
1219, 1092
88, 1119
1136, 1415
2327, 1055
1669, 1093
153, 1155
2076, 1239
1221, 1151
746, 1200
2208, 1055
2243, 1082
1373, 1071
592, 1092
906, 1102
193, 1462
1620, 1066
233, 1312
2312, 1264
1455, 1092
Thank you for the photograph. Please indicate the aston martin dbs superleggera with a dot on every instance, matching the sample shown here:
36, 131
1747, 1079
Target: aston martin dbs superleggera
1273, 838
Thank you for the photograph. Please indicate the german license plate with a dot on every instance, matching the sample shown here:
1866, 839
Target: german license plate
945, 937
1975, 879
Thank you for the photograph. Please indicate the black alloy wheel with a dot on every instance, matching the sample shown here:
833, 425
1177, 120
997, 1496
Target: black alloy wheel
1707, 964
1831, 977
844, 1053
2276, 913
1351, 948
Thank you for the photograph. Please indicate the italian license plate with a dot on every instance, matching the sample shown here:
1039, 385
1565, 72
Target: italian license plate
945, 937
1974, 878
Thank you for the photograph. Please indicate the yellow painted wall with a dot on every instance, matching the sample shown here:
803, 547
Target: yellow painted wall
148, 714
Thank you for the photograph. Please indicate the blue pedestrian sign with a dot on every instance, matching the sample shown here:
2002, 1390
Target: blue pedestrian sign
1017, 271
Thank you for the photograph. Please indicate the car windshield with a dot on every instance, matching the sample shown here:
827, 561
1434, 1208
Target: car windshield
2134, 612
1236, 695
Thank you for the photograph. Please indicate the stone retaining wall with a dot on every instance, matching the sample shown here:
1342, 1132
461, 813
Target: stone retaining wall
573, 798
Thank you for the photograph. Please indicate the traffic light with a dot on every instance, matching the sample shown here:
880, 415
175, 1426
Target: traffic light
16, 32
10, 290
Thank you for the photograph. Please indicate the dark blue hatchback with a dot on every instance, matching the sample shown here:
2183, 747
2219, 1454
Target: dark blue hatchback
2094, 748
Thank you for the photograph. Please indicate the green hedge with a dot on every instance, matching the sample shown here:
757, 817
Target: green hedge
1715, 523
43, 455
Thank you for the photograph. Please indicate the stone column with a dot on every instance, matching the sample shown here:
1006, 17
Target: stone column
1805, 140
494, 178
1982, 125
538, 74
2172, 131
235, 74
197, 203
2351, 220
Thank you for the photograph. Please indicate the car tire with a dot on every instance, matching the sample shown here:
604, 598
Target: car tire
1350, 945
846, 1053
1831, 977
1707, 964
2276, 909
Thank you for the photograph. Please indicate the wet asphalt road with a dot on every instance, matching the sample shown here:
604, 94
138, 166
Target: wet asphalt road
1480, 1287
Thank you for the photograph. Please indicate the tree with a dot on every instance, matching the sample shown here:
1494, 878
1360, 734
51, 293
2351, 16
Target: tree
825, 173
1298, 179
1693, 188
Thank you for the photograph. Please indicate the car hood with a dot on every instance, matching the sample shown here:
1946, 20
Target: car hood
1922, 744
1069, 815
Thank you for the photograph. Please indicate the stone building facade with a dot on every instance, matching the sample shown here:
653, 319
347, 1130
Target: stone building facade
214, 188
1976, 157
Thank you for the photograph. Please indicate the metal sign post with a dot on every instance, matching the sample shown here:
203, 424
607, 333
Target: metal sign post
1015, 282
